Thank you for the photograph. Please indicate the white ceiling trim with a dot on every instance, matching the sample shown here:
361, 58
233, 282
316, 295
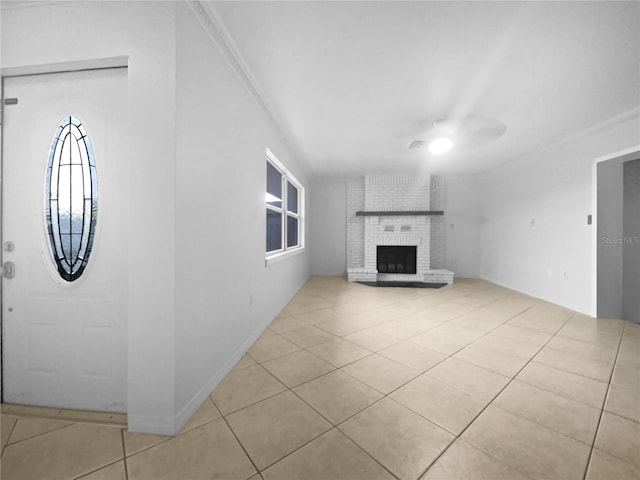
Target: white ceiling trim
608, 124
218, 33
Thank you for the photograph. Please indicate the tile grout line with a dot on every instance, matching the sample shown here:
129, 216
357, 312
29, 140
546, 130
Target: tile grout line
6, 444
623, 418
401, 316
566, 371
561, 394
71, 424
341, 337
287, 388
388, 396
459, 436
545, 365
97, 469
604, 403
124, 455
371, 405
253, 403
350, 416
333, 427
420, 373
224, 419
144, 449
446, 357
168, 437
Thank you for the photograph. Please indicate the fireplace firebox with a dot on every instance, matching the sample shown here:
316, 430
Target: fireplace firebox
396, 259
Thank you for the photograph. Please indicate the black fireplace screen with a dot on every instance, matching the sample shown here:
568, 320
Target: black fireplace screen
396, 259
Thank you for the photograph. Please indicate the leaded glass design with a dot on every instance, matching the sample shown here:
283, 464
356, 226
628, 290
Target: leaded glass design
71, 198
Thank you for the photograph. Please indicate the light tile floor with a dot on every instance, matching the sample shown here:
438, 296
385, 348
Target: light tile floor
471, 381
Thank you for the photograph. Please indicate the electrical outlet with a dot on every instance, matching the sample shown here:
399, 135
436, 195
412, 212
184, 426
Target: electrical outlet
565, 275
533, 222
550, 272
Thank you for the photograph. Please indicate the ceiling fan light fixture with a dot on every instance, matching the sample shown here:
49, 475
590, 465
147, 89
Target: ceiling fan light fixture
440, 145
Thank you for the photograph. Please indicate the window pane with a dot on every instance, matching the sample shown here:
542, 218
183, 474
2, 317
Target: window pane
65, 148
66, 247
274, 231
292, 198
77, 198
76, 156
292, 231
274, 186
75, 248
86, 228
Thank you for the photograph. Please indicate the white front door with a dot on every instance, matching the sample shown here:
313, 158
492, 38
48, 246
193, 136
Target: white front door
64, 343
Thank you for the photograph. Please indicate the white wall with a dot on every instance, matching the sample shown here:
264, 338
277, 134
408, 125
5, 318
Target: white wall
328, 226
145, 32
556, 189
197, 173
328, 229
225, 296
462, 226
609, 226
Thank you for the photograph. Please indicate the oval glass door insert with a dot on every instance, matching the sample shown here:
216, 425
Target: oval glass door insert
71, 198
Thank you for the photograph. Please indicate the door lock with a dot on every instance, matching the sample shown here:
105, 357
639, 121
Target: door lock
9, 270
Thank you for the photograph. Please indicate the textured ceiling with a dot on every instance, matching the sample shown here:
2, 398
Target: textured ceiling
352, 84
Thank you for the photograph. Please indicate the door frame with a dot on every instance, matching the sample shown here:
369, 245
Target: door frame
29, 70
620, 156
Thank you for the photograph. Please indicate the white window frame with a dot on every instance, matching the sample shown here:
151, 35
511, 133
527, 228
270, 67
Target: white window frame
275, 256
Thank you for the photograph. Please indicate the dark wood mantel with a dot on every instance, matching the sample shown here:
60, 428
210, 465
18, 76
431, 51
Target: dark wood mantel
409, 213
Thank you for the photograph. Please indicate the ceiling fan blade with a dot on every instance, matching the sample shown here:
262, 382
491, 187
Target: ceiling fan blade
482, 128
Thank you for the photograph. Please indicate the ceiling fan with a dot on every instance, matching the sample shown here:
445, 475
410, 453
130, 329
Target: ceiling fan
463, 133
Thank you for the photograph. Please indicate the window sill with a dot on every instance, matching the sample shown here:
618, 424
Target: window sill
278, 257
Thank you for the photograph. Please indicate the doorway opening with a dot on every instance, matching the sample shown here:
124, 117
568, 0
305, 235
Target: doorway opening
618, 237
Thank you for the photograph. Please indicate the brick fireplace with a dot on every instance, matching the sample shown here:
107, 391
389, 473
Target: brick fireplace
400, 211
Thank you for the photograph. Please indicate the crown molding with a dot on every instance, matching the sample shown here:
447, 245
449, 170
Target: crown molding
11, 4
218, 33
608, 124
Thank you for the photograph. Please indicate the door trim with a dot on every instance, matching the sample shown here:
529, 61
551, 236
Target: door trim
65, 67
